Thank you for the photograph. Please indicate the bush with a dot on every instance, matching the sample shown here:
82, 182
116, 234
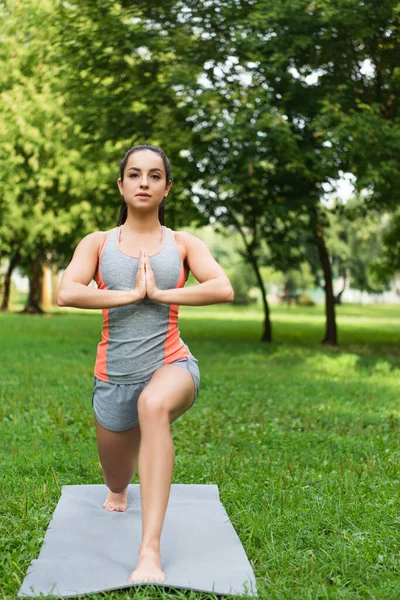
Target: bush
242, 279
305, 299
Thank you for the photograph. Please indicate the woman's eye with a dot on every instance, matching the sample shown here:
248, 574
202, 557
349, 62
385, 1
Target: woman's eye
137, 175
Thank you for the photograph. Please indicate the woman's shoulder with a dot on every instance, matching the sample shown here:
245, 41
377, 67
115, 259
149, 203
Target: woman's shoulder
95, 240
184, 237
97, 236
183, 240
187, 239
189, 246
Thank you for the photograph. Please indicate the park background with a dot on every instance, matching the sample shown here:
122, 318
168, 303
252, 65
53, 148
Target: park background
267, 111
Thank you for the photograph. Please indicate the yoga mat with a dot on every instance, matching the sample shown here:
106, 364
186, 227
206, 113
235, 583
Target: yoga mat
87, 549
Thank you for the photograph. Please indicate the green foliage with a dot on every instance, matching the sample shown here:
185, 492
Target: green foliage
296, 281
385, 267
243, 280
260, 106
123, 86
42, 166
305, 299
275, 116
68, 114
359, 117
355, 239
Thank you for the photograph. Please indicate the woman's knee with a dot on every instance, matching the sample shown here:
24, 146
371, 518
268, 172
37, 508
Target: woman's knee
117, 484
151, 407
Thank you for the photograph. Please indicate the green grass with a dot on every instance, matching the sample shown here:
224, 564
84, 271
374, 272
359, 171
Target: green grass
302, 440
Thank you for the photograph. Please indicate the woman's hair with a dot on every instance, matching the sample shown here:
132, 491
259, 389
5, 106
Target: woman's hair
123, 213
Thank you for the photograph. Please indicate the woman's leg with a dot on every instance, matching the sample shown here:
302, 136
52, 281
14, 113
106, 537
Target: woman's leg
118, 452
168, 395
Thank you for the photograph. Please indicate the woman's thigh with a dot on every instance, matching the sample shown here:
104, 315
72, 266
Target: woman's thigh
170, 392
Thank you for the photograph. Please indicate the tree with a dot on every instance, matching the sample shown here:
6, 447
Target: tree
242, 181
122, 83
40, 166
360, 118
68, 111
386, 267
306, 64
262, 169
355, 240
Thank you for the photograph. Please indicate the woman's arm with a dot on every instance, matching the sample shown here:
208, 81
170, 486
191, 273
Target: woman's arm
74, 290
214, 286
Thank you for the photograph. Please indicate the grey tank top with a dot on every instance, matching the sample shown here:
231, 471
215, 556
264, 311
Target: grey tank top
138, 338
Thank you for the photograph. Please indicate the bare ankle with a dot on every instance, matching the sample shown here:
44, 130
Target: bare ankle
153, 545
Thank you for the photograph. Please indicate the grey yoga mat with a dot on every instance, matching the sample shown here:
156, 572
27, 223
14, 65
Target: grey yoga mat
88, 549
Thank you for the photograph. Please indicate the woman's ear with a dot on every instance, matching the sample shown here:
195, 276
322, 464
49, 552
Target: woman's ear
120, 186
169, 186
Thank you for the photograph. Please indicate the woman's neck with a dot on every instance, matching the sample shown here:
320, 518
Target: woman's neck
142, 224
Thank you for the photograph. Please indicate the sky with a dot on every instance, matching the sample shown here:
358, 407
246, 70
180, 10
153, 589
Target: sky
344, 189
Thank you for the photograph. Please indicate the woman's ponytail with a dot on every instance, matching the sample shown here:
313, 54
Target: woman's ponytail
123, 213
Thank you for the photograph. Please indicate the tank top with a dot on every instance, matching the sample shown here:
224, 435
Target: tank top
138, 338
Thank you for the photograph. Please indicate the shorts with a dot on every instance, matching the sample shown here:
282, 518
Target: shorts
115, 404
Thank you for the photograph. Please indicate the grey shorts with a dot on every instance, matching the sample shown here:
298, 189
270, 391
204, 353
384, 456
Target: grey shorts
115, 404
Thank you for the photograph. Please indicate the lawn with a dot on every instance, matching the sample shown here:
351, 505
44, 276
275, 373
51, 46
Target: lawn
301, 439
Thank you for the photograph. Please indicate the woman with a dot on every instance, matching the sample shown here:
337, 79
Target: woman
145, 375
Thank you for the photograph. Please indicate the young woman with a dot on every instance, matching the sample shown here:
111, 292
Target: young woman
145, 375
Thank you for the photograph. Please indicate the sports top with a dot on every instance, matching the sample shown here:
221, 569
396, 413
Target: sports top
138, 338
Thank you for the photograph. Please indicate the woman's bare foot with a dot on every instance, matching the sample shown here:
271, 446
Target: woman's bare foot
117, 502
148, 567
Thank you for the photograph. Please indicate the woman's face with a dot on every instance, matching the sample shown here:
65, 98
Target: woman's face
144, 185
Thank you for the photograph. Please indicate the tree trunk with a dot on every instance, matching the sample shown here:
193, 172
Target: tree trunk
55, 284
35, 288
267, 333
330, 330
338, 297
7, 281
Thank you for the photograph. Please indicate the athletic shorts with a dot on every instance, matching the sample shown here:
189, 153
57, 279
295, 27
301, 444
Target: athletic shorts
115, 404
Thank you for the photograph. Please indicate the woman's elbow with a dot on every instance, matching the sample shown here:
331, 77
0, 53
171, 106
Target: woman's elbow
226, 290
229, 294
62, 297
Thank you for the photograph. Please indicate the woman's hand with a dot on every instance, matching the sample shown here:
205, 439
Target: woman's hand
151, 286
145, 284
140, 283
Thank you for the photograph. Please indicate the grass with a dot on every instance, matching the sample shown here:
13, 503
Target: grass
302, 440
